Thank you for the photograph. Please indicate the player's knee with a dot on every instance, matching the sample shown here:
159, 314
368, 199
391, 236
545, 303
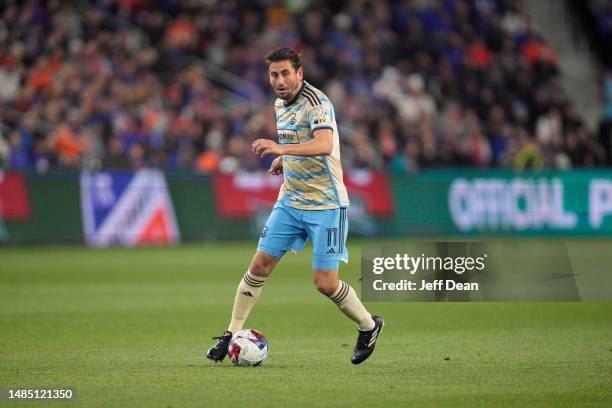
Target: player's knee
326, 286
260, 267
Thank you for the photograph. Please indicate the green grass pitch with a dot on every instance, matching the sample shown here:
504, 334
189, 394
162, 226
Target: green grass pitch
130, 328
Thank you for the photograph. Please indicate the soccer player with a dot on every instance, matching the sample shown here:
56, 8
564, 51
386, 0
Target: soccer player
312, 203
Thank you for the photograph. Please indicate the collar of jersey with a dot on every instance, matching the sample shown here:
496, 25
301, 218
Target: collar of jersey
292, 101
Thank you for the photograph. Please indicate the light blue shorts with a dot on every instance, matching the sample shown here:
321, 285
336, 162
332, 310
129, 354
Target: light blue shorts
289, 228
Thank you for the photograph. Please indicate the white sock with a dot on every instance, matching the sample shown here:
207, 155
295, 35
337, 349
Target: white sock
347, 300
246, 296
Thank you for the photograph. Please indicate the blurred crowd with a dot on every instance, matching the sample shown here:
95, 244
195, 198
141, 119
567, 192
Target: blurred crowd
599, 15
415, 84
601, 11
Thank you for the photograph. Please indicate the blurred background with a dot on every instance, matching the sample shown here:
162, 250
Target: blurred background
130, 121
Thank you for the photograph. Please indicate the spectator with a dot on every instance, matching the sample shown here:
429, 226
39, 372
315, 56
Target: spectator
416, 83
605, 128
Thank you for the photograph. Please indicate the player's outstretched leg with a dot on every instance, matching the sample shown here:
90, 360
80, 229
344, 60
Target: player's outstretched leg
345, 297
369, 326
247, 293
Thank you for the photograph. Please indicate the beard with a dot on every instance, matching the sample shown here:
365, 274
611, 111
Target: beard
287, 93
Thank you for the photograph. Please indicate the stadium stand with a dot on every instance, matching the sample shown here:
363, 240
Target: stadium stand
415, 84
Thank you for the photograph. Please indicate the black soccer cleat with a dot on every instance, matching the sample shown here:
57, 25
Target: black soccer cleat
219, 351
366, 341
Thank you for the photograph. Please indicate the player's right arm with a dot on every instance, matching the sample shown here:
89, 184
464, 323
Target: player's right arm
320, 145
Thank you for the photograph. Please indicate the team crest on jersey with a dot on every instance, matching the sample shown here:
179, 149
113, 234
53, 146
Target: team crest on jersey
290, 118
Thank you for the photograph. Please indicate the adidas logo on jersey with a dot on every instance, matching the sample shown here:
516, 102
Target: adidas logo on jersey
331, 251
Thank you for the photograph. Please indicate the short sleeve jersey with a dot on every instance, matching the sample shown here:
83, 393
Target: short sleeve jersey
311, 183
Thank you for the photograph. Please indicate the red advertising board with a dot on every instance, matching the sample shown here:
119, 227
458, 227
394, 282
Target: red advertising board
14, 202
241, 194
372, 187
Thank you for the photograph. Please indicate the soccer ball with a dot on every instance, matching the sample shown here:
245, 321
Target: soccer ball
248, 348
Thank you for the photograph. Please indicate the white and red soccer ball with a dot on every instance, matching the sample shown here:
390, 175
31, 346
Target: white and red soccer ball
248, 347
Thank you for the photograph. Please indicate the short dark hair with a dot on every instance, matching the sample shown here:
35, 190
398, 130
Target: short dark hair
283, 54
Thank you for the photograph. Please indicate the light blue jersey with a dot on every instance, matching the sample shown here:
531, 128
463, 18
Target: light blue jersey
311, 183
313, 199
